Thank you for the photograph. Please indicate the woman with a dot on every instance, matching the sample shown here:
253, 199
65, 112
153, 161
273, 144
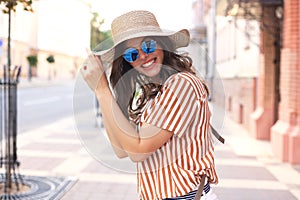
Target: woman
157, 113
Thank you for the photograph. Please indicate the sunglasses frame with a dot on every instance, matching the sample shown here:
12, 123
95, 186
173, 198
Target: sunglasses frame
132, 54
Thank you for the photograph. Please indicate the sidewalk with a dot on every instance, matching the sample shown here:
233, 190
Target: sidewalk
56, 150
246, 167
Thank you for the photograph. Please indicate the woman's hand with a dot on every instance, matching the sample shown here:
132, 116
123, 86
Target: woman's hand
93, 72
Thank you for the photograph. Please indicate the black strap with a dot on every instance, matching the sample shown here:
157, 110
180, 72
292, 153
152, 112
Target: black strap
200, 189
217, 135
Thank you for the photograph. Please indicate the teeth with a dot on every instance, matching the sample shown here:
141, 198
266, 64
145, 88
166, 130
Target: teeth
148, 63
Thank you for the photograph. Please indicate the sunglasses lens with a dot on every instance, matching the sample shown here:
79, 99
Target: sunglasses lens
131, 54
149, 46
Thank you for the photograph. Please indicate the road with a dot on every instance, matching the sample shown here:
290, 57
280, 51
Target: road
41, 105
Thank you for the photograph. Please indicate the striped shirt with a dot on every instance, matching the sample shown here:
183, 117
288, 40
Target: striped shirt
175, 168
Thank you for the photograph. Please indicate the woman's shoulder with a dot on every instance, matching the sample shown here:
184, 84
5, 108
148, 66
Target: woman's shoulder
185, 77
190, 80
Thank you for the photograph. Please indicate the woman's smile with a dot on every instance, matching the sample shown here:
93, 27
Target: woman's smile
148, 64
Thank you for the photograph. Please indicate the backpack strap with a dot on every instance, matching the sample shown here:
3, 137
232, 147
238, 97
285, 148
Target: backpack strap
217, 135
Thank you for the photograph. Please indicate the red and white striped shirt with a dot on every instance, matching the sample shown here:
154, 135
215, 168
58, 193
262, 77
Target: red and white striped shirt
175, 168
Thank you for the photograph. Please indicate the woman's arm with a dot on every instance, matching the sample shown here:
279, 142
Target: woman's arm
92, 71
122, 135
119, 151
138, 146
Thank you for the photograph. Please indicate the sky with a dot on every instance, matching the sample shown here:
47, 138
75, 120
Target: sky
171, 14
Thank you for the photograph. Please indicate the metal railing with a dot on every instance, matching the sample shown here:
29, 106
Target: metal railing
8, 129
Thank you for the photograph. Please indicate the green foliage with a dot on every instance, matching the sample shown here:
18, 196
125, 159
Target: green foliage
32, 60
50, 59
12, 4
100, 40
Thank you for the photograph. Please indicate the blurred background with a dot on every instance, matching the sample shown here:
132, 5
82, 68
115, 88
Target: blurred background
251, 45
247, 50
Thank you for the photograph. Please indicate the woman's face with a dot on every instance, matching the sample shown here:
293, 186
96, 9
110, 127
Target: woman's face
147, 64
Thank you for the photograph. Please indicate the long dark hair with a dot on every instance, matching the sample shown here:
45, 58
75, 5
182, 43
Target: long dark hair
123, 77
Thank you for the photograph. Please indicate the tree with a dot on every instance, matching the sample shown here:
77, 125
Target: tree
50, 59
32, 60
100, 40
12, 4
7, 7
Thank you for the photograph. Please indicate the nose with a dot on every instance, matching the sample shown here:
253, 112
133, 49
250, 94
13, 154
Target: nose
142, 54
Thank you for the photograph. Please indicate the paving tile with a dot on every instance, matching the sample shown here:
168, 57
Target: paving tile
44, 146
225, 154
97, 167
39, 163
99, 190
244, 172
297, 168
72, 165
253, 194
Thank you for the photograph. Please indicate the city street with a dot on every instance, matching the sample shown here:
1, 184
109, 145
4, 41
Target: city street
38, 106
53, 143
59, 147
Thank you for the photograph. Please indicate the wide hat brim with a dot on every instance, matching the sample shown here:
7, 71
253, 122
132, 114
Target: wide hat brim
180, 38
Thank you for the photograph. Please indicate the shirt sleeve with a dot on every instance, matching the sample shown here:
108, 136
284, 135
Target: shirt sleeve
174, 108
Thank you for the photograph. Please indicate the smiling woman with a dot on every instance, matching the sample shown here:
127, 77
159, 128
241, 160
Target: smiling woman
155, 108
145, 55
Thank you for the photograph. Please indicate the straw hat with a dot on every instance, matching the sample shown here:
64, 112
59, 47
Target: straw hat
139, 23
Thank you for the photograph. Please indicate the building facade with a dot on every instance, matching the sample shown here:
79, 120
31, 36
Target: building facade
58, 28
257, 55
285, 133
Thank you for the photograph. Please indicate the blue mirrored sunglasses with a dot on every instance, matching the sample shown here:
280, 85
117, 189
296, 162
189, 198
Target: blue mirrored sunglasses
132, 54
